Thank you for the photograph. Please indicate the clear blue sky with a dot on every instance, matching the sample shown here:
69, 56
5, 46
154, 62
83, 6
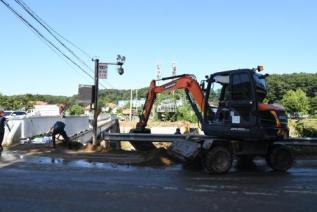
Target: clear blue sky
201, 36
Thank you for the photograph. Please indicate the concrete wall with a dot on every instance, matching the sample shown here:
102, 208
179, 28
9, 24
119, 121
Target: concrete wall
32, 126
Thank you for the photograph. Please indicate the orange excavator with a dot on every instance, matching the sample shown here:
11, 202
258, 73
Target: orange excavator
230, 109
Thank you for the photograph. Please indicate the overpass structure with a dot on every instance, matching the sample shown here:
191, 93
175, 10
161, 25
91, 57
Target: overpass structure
78, 128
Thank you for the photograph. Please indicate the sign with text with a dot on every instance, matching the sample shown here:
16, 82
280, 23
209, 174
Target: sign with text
103, 70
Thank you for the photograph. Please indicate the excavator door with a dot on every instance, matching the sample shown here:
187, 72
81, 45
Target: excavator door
243, 102
233, 99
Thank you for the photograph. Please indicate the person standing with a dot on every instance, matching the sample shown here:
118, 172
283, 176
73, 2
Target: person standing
3, 123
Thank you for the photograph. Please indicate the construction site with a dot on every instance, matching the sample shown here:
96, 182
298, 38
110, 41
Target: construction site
225, 139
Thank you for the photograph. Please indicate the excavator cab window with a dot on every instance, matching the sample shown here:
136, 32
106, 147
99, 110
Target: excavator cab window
260, 86
219, 95
243, 104
241, 87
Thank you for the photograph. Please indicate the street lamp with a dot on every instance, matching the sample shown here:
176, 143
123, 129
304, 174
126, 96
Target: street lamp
119, 63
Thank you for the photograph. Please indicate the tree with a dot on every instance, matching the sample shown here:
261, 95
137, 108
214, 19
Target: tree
279, 84
76, 110
296, 101
313, 106
186, 113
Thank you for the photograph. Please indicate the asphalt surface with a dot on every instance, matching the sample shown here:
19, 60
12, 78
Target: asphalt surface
32, 183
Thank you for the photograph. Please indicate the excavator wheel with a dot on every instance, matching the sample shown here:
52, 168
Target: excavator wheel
218, 160
280, 158
142, 145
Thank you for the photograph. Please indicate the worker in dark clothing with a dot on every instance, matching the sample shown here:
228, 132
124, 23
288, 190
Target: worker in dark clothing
58, 129
3, 122
178, 131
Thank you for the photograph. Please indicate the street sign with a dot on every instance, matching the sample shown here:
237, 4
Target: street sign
103, 70
85, 94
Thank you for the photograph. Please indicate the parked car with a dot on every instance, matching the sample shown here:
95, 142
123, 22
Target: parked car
14, 114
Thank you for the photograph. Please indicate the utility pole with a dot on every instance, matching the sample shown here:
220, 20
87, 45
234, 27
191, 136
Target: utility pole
136, 101
94, 126
103, 68
174, 74
131, 96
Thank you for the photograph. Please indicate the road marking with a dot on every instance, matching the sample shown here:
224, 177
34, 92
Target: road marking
300, 192
199, 190
259, 193
170, 188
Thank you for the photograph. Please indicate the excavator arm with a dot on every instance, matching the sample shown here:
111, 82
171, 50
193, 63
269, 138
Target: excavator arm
186, 82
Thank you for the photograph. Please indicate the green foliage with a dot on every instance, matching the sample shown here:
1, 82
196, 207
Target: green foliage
76, 110
26, 101
278, 85
186, 113
307, 128
296, 101
114, 95
313, 106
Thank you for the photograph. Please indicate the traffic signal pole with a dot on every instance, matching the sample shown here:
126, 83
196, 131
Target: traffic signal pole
102, 66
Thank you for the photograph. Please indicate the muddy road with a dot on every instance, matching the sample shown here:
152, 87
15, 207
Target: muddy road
49, 183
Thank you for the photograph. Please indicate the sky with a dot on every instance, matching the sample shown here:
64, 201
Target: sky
200, 36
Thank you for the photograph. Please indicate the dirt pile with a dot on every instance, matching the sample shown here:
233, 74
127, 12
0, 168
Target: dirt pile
93, 148
158, 157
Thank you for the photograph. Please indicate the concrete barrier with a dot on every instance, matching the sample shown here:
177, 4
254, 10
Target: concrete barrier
31, 126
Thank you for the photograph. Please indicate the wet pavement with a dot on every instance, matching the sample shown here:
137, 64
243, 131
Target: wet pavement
43, 183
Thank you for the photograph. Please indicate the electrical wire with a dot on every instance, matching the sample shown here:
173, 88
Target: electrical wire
49, 43
24, 5
51, 31
43, 37
52, 34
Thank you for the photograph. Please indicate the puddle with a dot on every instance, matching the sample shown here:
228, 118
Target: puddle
6, 156
16, 156
43, 160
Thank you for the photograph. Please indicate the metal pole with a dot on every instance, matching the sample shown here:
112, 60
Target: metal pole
94, 136
131, 96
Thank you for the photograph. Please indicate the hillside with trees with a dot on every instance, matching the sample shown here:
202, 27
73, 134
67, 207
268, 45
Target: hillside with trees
297, 92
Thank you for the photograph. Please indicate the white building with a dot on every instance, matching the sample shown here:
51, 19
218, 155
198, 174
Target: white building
45, 110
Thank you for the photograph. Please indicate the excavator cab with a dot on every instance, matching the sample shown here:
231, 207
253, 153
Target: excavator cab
234, 107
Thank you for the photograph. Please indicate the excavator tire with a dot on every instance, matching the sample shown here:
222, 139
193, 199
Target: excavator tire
142, 145
280, 158
218, 160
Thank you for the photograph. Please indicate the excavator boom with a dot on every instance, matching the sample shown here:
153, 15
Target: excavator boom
186, 82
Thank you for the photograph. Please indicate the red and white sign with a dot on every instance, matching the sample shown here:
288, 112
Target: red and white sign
103, 70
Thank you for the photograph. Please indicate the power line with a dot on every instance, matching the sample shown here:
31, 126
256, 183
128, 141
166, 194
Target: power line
26, 7
50, 44
51, 33
42, 36
50, 30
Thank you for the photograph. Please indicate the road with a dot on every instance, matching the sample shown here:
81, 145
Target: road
32, 183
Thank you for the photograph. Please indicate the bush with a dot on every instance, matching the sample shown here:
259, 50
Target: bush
76, 110
296, 101
307, 128
186, 113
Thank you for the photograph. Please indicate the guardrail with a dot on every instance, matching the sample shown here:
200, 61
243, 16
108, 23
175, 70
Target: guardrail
31, 126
